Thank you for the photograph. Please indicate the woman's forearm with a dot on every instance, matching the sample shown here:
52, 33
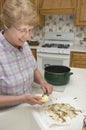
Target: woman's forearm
46, 87
38, 78
8, 100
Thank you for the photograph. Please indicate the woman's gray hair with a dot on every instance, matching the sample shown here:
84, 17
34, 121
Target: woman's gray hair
19, 11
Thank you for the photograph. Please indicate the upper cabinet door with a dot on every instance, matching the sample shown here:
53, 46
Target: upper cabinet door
57, 7
38, 3
1, 6
80, 18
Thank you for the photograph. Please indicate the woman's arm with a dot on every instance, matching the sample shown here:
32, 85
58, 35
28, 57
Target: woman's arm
9, 100
26, 98
38, 78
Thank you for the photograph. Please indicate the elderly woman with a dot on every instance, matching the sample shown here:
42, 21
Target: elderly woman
18, 68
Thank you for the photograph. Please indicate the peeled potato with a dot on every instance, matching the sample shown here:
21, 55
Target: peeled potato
43, 98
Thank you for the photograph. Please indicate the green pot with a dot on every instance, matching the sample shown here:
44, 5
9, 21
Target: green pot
57, 75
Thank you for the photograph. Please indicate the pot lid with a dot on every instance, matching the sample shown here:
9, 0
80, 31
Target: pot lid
57, 69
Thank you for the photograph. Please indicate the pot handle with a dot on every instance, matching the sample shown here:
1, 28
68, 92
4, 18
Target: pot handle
68, 74
46, 65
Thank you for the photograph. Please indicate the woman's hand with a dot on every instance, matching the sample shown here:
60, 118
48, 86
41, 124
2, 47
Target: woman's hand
32, 99
46, 87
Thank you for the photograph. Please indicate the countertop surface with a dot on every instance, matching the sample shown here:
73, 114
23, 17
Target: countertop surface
33, 47
79, 48
75, 89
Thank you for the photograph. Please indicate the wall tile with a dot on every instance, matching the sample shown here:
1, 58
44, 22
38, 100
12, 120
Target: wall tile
59, 23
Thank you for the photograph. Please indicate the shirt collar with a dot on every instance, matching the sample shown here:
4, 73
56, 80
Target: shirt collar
7, 45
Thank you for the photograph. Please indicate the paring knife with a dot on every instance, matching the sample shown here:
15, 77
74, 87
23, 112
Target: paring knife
44, 93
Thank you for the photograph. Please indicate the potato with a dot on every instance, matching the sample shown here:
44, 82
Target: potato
43, 98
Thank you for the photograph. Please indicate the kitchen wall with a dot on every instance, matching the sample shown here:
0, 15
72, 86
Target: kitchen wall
59, 23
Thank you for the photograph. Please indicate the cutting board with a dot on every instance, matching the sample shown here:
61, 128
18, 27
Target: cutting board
48, 122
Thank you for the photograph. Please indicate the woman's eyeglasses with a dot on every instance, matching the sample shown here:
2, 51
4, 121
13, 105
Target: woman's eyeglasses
24, 31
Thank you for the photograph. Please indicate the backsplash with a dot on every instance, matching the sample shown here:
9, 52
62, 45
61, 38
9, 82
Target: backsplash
59, 23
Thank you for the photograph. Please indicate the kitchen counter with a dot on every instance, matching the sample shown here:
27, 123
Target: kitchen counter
33, 47
18, 118
25, 116
79, 48
76, 88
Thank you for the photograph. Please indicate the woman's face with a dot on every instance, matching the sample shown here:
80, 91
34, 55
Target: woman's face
18, 34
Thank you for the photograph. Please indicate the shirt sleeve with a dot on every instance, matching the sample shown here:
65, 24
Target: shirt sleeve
32, 59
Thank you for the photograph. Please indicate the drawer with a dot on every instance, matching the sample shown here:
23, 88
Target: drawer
78, 56
78, 64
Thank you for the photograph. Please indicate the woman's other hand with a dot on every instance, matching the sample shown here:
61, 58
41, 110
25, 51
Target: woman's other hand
46, 87
32, 99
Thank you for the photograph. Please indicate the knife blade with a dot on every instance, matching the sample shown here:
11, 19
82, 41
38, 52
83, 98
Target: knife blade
44, 93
